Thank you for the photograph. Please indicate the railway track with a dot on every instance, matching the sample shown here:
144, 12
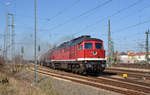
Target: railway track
134, 74
138, 71
128, 80
112, 84
138, 66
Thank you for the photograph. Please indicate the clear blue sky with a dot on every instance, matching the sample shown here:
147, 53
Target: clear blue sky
60, 20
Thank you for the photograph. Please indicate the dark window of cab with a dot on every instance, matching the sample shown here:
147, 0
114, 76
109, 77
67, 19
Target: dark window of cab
98, 45
88, 45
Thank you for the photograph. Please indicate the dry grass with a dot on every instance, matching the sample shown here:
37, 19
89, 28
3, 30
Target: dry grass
46, 87
19, 87
7, 89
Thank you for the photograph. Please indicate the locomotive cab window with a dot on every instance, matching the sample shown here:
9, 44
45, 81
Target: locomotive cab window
98, 45
88, 45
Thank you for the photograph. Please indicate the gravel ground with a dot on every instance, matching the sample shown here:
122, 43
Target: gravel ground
58, 86
64, 87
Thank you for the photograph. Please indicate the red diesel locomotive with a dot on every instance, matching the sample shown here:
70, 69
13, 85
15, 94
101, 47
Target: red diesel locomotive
80, 55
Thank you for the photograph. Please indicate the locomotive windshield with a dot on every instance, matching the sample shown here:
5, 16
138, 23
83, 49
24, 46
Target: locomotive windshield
88, 45
98, 45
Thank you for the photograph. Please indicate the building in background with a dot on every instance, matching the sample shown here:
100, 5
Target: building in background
131, 57
141, 56
123, 57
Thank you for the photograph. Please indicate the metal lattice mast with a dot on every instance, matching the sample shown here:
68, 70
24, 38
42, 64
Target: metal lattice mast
12, 36
6, 37
147, 47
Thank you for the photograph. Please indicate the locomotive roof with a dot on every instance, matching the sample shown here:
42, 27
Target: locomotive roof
77, 41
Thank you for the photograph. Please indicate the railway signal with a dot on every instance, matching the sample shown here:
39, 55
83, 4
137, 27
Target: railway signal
39, 48
22, 51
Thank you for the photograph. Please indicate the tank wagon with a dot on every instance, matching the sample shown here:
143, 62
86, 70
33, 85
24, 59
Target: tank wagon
80, 55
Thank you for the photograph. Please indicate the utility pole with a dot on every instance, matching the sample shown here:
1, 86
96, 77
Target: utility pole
147, 47
35, 42
110, 47
6, 34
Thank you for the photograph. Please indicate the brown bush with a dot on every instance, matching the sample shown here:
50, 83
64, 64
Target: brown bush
18, 60
2, 61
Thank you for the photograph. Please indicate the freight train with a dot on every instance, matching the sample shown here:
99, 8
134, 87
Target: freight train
80, 55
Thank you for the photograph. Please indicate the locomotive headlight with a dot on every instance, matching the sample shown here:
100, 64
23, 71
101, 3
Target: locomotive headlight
94, 53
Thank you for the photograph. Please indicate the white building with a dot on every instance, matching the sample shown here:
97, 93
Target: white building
132, 58
123, 57
141, 56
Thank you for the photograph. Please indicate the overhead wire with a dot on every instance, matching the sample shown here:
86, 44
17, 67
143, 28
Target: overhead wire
57, 14
82, 14
147, 21
128, 15
114, 14
64, 10
134, 25
138, 24
144, 8
130, 39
